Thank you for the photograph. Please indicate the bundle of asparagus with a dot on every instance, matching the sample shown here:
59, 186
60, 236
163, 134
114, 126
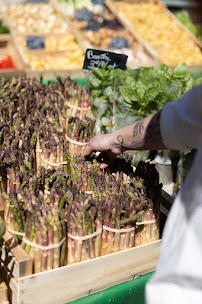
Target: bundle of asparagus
147, 227
77, 101
48, 206
49, 148
84, 218
79, 132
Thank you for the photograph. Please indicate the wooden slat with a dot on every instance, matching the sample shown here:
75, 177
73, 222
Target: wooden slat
7, 278
52, 74
75, 281
82, 42
3, 291
14, 257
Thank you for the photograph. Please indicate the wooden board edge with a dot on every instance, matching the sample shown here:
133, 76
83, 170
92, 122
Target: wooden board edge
14, 257
82, 42
7, 278
53, 74
3, 291
19, 49
87, 277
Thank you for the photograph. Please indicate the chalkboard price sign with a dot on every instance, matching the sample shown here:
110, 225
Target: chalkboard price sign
119, 43
35, 42
97, 58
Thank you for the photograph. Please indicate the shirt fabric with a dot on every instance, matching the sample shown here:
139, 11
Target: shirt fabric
178, 277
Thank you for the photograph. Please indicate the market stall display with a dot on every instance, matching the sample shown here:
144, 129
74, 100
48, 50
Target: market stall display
10, 59
183, 16
60, 209
43, 37
155, 24
103, 31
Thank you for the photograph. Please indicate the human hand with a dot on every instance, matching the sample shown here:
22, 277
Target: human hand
107, 145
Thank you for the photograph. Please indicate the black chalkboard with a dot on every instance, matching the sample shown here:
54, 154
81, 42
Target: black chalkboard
97, 58
35, 43
83, 14
119, 43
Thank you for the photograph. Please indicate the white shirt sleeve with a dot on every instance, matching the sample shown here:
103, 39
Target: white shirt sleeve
178, 277
180, 122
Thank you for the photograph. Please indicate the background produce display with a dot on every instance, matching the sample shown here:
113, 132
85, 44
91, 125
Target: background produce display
44, 187
195, 29
10, 58
34, 18
102, 28
61, 50
152, 22
69, 7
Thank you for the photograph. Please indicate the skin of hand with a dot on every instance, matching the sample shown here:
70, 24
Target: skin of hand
142, 135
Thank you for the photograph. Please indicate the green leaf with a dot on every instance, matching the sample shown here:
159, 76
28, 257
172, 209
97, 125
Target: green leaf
152, 93
165, 71
108, 91
94, 81
130, 82
140, 90
180, 69
125, 94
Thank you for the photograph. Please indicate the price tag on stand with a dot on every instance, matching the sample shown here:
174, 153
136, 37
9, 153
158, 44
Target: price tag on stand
119, 43
97, 58
35, 42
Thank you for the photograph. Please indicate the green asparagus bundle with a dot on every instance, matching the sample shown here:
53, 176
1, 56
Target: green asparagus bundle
83, 173
84, 218
148, 231
49, 148
77, 101
79, 132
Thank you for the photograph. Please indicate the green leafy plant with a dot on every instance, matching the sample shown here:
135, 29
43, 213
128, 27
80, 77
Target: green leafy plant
137, 93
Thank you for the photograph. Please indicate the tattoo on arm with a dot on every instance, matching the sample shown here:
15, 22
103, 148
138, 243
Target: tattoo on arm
138, 127
152, 139
121, 141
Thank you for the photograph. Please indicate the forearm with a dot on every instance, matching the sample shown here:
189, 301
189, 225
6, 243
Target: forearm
142, 135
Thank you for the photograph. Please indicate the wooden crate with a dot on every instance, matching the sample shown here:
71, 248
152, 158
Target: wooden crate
122, 18
126, 23
3, 291
110, 12
7, 47
72, 282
